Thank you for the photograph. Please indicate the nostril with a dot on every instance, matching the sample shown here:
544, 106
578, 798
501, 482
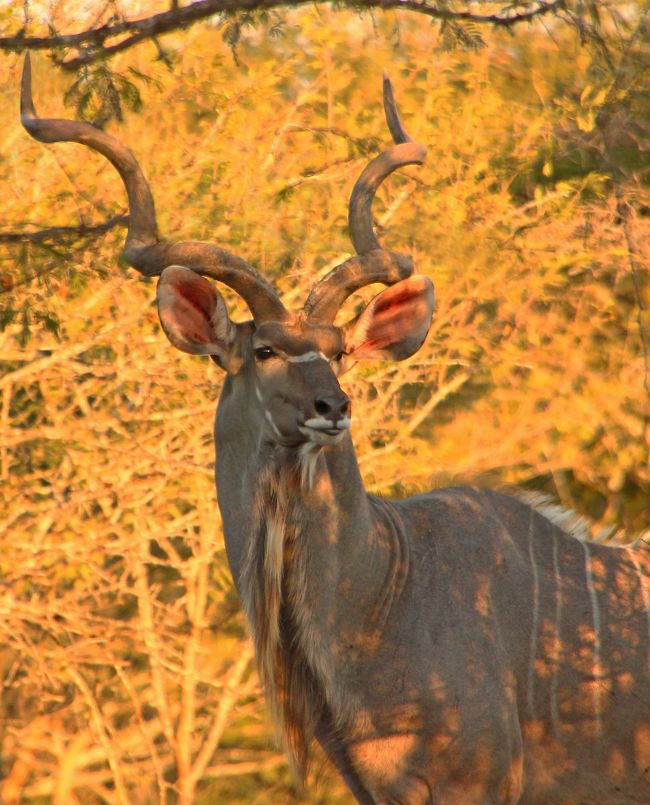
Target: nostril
333, 407
322, 406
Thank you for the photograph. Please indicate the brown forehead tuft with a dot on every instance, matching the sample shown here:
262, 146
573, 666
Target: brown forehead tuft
297, 336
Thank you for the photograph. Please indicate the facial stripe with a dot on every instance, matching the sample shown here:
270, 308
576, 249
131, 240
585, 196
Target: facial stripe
306, 357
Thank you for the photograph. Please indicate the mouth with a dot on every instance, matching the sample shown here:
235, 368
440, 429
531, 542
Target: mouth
324, 431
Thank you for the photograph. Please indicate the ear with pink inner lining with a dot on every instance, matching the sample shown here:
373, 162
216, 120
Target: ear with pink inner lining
193, 314
394, 324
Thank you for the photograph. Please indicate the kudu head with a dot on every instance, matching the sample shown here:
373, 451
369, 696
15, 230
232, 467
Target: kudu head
288, 361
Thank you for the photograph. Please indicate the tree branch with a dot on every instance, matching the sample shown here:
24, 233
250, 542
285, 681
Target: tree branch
92, 42
59, 233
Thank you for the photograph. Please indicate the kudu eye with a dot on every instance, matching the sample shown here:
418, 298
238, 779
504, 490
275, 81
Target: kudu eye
263, 354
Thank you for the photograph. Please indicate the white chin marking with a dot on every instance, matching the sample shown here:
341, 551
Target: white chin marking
321, 423
323, 437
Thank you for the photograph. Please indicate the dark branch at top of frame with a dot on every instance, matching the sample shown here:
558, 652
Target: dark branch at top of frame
93, 42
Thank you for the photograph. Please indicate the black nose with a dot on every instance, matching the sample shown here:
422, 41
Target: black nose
332, 406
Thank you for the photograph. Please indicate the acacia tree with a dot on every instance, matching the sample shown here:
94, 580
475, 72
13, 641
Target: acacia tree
123, 653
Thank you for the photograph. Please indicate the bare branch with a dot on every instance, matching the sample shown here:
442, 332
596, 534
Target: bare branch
92, 42
63, 233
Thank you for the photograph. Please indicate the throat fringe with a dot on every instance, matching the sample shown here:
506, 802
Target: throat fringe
288, 680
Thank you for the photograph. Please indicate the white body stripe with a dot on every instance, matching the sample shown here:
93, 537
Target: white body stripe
645, 593
595, 613
535, 624
555, 678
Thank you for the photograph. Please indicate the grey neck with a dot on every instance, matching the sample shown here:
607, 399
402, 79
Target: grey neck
328, 502
321, 501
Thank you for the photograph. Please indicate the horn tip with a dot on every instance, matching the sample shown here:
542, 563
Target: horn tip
387, 86
27, 111
397, 130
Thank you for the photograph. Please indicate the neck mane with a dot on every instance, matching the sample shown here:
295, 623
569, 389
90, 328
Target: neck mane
295, 569
273, 580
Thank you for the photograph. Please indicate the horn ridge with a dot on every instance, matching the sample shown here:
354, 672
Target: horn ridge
142, 229
362, 232
327, 296
372, 263
218, 264
144, 250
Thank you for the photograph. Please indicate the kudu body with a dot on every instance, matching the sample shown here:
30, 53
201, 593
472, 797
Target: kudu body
456, 647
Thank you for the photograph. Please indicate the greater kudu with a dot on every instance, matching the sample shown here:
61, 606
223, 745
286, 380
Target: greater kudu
455, 647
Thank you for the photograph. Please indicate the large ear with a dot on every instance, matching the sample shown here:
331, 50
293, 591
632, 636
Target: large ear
394, 324
194, 315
